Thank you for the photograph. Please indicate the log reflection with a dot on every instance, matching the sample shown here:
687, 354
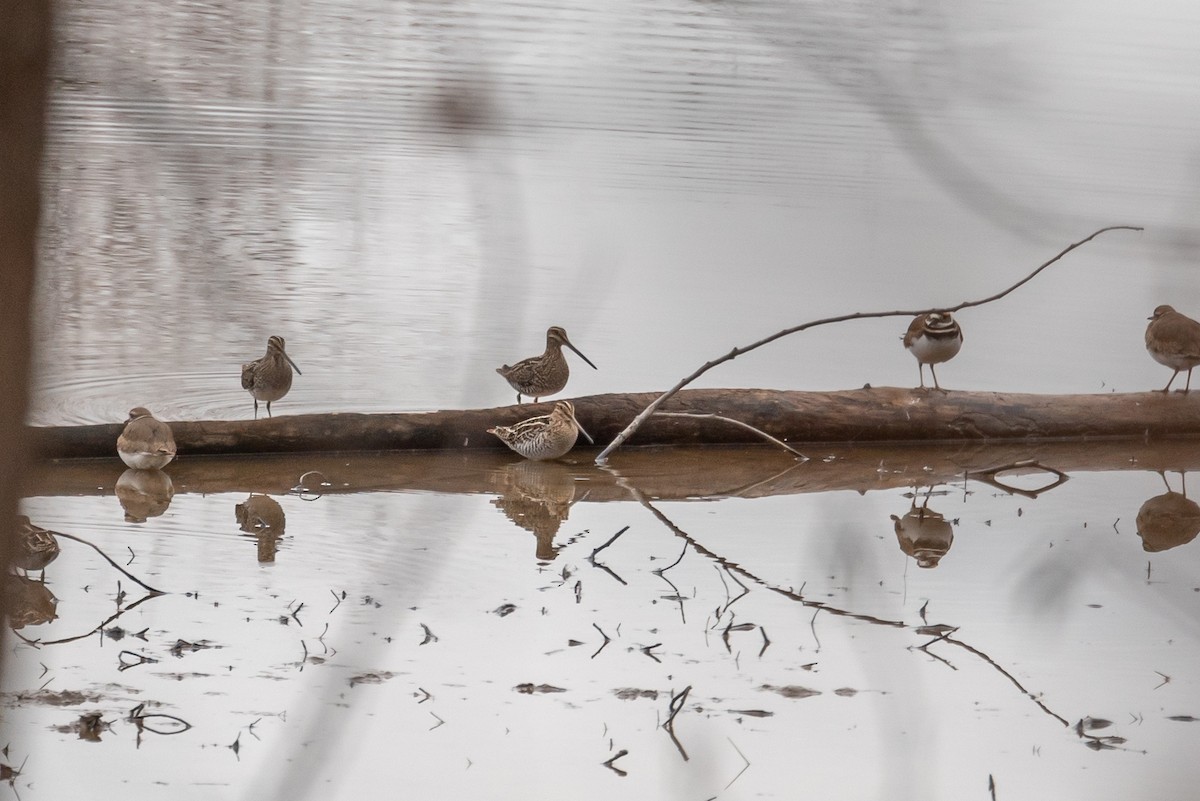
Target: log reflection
663, 474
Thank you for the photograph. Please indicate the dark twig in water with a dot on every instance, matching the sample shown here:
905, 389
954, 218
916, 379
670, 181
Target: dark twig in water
740, 424
676, 704
636, 423
662, 570
992, 786
989, 477
139, 719
766, 641
429, 635
611, 540
108, 559
647, 649
609, 762
592, 558
139, 659
744, 767
607, 640
337, 598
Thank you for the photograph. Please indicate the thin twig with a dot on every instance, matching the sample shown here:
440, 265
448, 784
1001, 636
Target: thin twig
746, 426
636, 423
611, 540
108, 559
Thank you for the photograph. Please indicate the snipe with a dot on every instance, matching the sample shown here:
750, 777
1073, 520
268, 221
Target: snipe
547, 436
36, 547
546, 374
269, 378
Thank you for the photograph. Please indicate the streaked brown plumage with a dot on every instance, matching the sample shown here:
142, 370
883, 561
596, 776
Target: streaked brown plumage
146, 443
547, 436
933, 339
269, 378
36, 546
1173, 339
546, 374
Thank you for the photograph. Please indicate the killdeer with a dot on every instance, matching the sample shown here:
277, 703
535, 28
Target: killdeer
269, 378
543, 375
1173, 339
546, 436
146, 443
933, 339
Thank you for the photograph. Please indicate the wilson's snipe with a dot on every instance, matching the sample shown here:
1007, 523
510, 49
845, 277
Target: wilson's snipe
933, 339
547, 436
146, 443
35, 548
543, 375
269, 378
1173, 339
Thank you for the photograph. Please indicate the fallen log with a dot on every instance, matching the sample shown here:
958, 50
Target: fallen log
879, 414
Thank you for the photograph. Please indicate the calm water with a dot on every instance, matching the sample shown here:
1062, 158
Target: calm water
411, 193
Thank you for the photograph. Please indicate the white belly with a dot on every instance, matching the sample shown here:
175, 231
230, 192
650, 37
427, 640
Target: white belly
935, 351
145, 461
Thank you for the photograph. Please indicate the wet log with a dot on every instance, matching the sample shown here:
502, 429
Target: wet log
868, 415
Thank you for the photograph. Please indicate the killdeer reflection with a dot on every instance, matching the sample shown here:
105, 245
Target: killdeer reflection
146, 443
543, 375
269, 378
1173, 339
933, 339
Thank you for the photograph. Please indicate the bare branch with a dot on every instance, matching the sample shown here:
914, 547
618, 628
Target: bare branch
739, 423
733, 354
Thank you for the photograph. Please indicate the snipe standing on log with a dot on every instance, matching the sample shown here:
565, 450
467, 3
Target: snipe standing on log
547, 436
1173, 339
35, 548
146, 443
543, 375
933, 339
269, 378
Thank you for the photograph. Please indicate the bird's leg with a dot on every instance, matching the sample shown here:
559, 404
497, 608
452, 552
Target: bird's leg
933, 372
921, 373
1189, 382
256, 408
1167, 388
269, 409
518, 398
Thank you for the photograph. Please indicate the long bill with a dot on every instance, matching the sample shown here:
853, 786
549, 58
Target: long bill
567, 342
292, 363
575, 420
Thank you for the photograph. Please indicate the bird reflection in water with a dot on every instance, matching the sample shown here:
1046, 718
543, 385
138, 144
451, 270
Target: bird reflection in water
144, 494
924, 534
1168, 520
537, 497
262, 517
29, 602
